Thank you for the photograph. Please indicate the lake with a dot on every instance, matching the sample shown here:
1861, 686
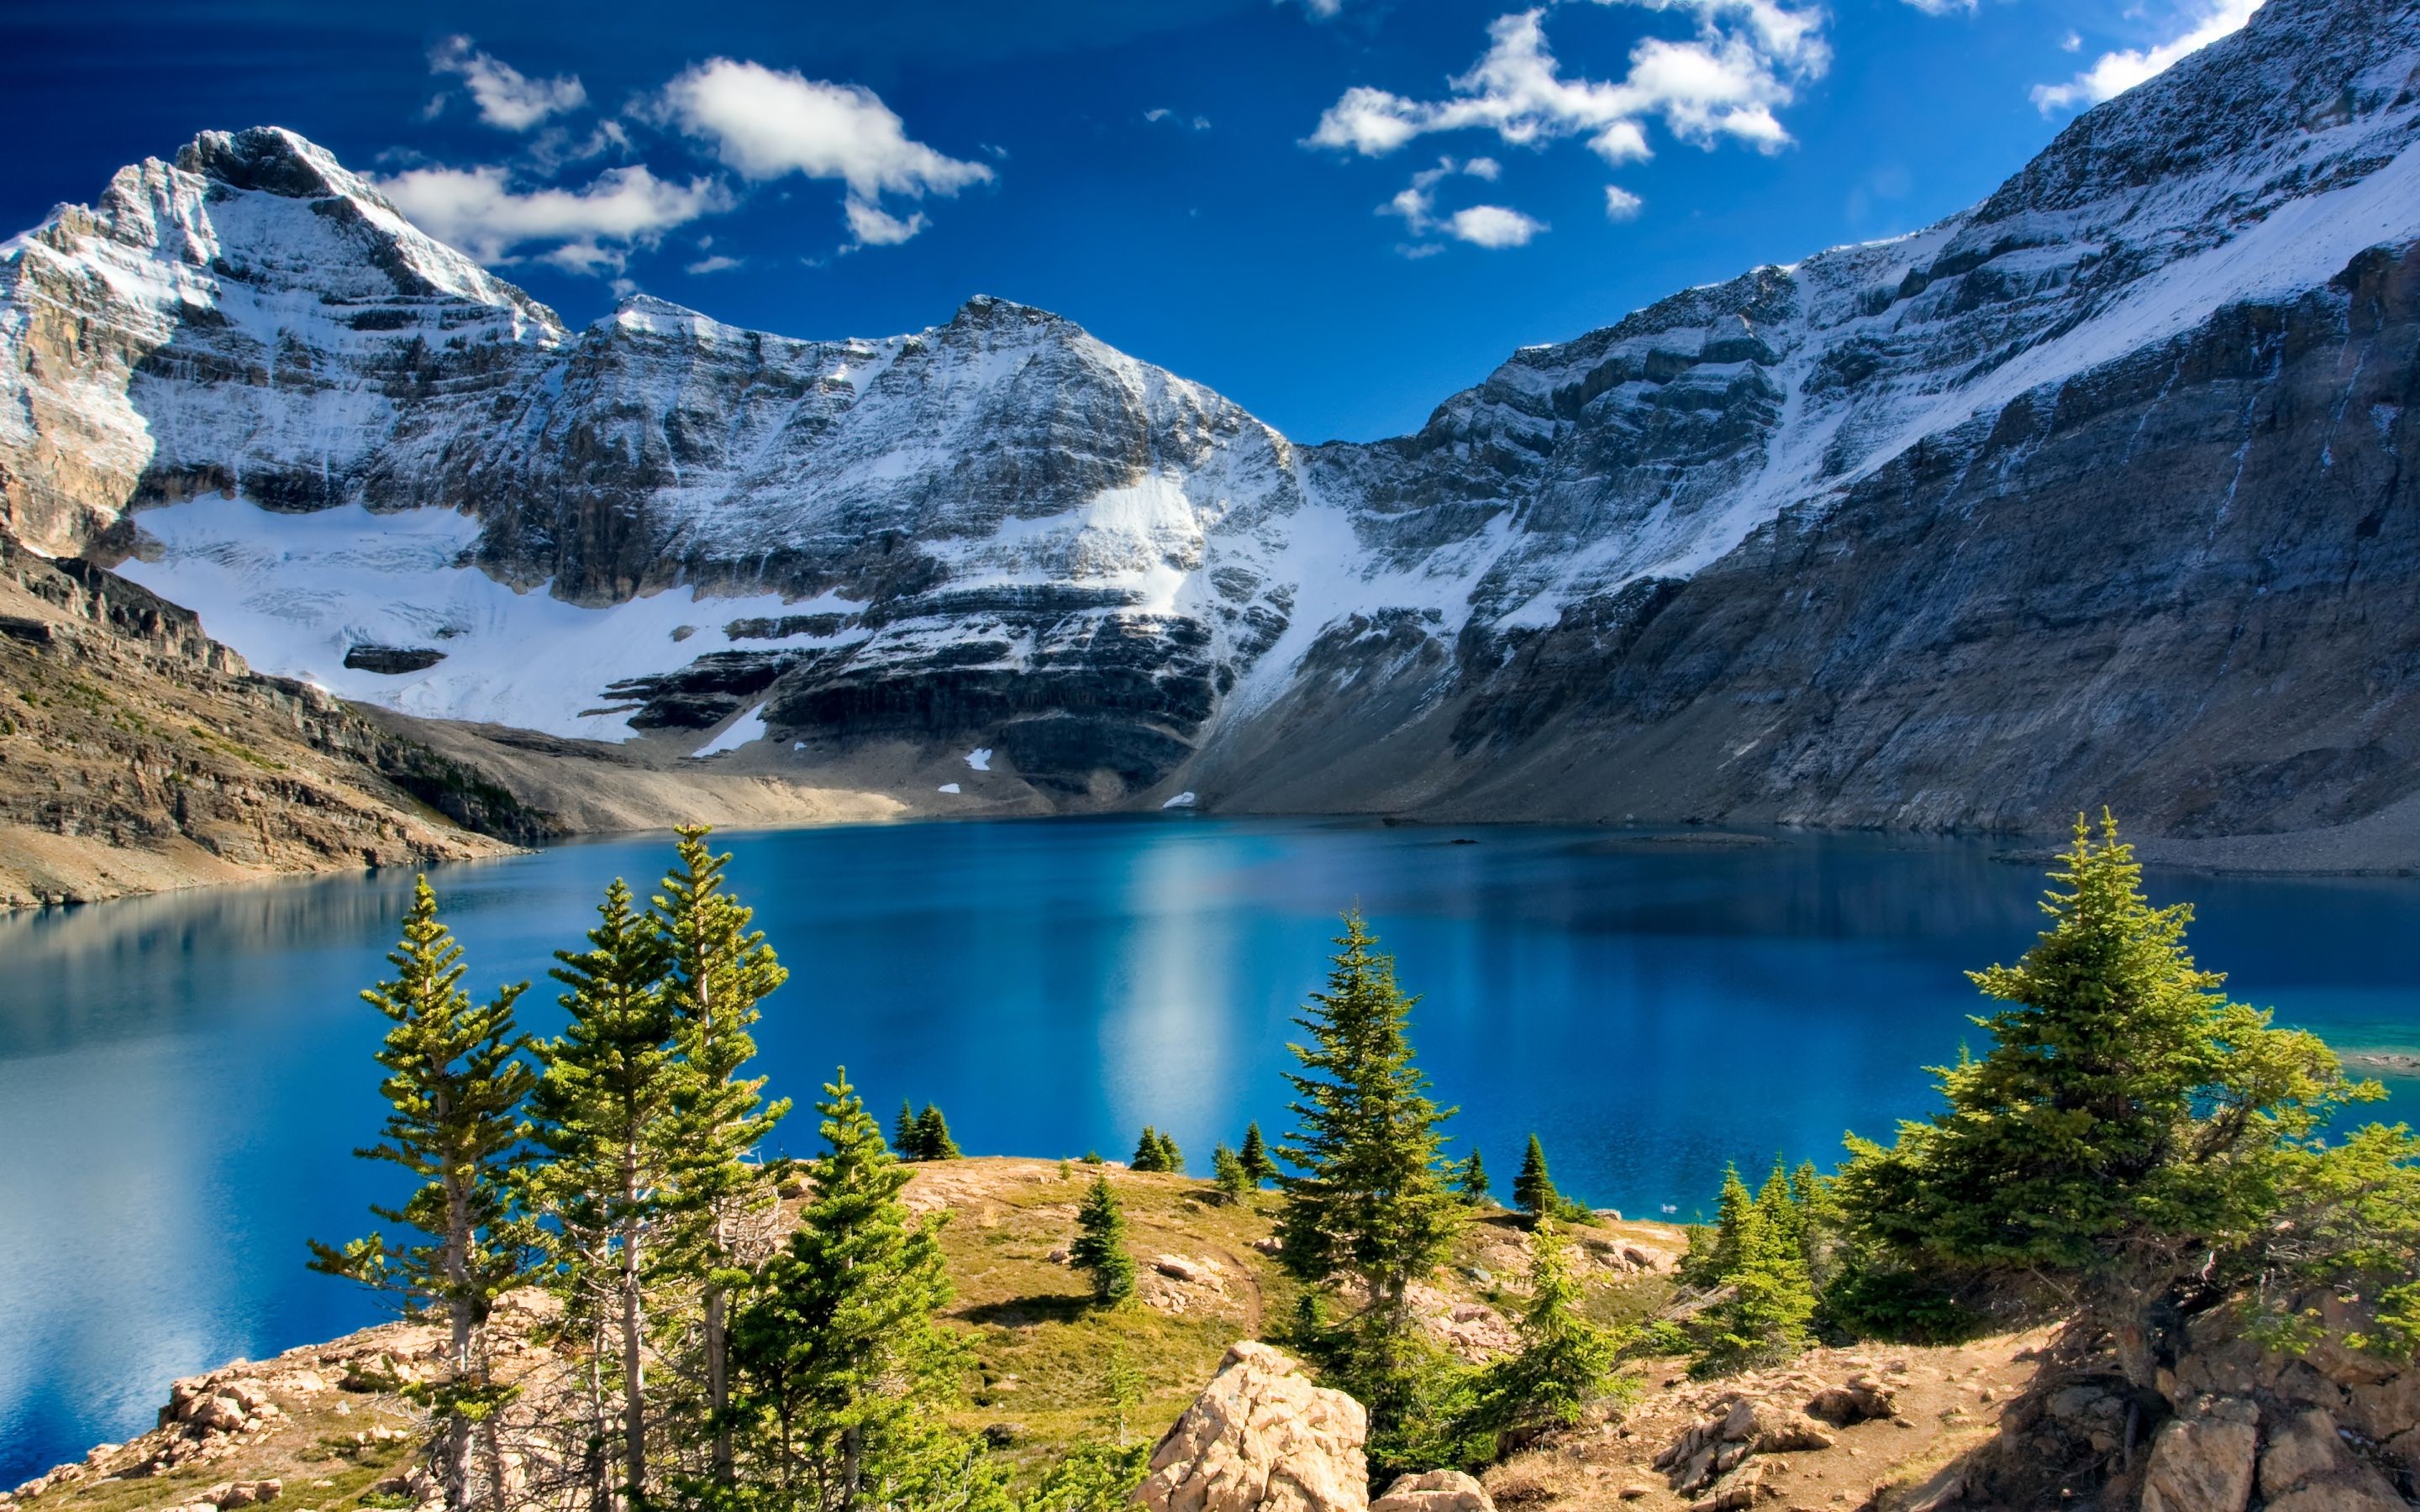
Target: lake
182, 1079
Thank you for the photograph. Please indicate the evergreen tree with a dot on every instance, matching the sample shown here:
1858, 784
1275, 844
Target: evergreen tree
720, 972
1227, 1172
1372, 1199
1148, 1155
1565, 1360
845, 1375
604, 1110
1779, 1206
1257, 1164
1721, 1257
906, 1137
1470, 1178
2130, 1133
933, 1141
1170, 1158
1100, 1246
454, 1085
1533, 1190
1772, 1299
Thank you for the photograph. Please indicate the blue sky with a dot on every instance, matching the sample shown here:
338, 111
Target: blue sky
1336, 213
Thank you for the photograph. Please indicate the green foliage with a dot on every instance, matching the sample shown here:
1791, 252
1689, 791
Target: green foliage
1565, 1360
1100, 1247
905, 1140
1092, 1477
454, 1087
720, 972
1372, 1197
1228, 1173
1470, 1180
1156, 1152
1533, 1188
1257, 1164
2129, 1134
603, 1113
844, 1375
1769, 1311
933, 1141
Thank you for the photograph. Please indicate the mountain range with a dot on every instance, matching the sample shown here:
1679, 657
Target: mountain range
2090, 494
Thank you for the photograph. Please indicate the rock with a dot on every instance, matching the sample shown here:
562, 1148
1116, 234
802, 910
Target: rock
1860, 1398
227, 1495
1062, 1255
1733, 1492
1187, 1269
216, 1414
1269, 1244
1262, 1438
1769, 1428
1634, 1492
2203, 1462
1434, 1490
2304, 1466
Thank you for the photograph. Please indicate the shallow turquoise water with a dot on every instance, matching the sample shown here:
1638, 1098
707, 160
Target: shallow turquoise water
182, 1079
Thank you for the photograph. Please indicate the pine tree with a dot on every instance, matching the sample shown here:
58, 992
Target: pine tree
1470, 1178
845, 1375
1372, 1198
907, 1138
1257, 1164
604, 1111
721, 971
1147, 1156
1170, 1158
1100, 1246
933, 1141
1564, 1359
1772, 1299
454, 1085
2130, 1133
1533, 1190
1722, 1255
1227, 1172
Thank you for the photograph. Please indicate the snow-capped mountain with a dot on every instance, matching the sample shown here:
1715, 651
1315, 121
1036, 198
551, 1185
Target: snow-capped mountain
2092, 492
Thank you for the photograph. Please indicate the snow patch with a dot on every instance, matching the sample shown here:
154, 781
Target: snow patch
980, 758
1182, 800
740, 732
948, 787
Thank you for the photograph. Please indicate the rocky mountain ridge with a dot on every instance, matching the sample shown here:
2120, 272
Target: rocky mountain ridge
2092, 493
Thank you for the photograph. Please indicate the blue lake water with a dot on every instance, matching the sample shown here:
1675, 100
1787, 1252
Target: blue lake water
182, 1078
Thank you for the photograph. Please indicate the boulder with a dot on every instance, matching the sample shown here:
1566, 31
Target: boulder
2304, 1466
1262, 1438
2202, 1461
1766, 1426
1434, 1490
1857, 1400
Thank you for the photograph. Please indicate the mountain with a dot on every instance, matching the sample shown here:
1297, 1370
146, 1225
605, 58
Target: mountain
2092, 493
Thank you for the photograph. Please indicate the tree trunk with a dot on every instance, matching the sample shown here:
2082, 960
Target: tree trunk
852, 1466
718, 1379
634, 1379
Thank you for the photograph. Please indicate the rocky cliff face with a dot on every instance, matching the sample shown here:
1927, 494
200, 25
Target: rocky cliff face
2092, 493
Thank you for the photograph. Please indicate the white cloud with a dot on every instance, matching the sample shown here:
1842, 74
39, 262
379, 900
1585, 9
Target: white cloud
1485, 225
1747, 60
2113, 73
1620, 204
1191, 123
506, 97
1320, 9
766, 123
874, 226
592, 228
1491, 226
1942, 7
2072, 42
714, 264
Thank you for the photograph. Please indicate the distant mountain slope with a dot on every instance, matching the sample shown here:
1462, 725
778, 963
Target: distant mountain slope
2092, 493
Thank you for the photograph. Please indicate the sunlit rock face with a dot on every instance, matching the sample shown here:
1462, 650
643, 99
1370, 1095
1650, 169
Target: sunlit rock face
2092, 493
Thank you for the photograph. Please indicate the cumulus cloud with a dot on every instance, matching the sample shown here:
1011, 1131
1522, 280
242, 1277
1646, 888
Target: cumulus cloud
592, 229
1724, 84
506, 96
1483, 226
765, 123
2113, 74
1620, 204
1491, 226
